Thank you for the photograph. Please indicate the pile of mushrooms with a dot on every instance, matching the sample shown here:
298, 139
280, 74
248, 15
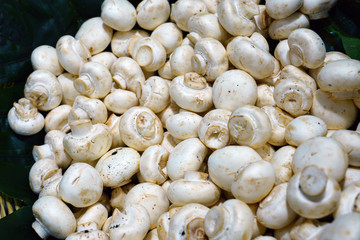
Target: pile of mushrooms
187, 127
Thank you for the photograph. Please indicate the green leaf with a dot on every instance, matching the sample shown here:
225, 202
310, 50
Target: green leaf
18, 225
351, 46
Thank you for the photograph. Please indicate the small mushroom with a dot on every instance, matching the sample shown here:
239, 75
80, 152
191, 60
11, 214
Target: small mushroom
312, 193
209, 59
57, 118
183, 125
41, 172
95, 35
233, 89
171, 109
281, 52
213, 129
273, 211
140, 128
306, 48
74, 187
317, 9
281, 162
117, 166
180, 60
305, 228
329, 57
289, 71
93, 218
352, 174
105, 58
232, 219
118, 14
66, 81
150, 14
208, 26
169, 142
188, 155
337, 114
87, 142
191, 92
245, 55
52, 218
253, 181
350, 140
237, 16
122, 43
280, 29
325, 153
166, 72
265, 95
222, 172
89, 108
24, 118
43, 90
266, 152
304, 128
349, 200
182, 10
94, 80
44, 57
153, 164
250, 126
152, 197
195, 187
293, 95
53, 148
279, 120
169, 35
119, 101
283, 8
130, 224
188, 222
149, 54
72, 54
154, 94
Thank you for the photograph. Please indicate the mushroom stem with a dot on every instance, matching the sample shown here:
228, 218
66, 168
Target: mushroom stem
145, 125
25, 109
84, 85
40, 229
296, 55
144, 56
313, 180
194, 81
38, 95
120, 81
199, 64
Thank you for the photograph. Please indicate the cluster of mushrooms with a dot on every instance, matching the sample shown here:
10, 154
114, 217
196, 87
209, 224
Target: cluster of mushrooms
191, 129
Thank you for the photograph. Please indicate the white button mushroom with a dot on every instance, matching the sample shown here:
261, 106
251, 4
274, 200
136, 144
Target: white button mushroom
94, 80
24, 118
250, 126
57, 118
326, 153
140, 128
152, 197
87, 142
213, 129
281, 52
188, 222
180, 60
349, 200
122, 43
337, 114
232, 219
153, 164
209, 59
224, 162
289, 71
66, 81
265, 95
281, 162
117, 166
41, 172
273, 211
88, 108
282, 9
188, 155
154, 94
95, 35
253, 181
150, 14
43, 90
244, 54
92, 218
312, 193
118, 14
195, 187
350, 140
281, 28
191, 92
105, 58
183, 125
306, 48
44, 57
72, 54
304, 128
130, 224
237, 16
119, 101
74, 187
53, 218
317, 9
233, 89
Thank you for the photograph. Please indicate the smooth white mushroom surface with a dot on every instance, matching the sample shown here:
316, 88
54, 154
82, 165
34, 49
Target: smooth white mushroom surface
191, 126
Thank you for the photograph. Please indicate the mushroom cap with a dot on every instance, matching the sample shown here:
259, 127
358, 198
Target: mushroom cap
183, 125
350, 140
182, 10
280, 29
283, 8
344, 227
150, 14
118, 14
44, 57
74, 187
55, 216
